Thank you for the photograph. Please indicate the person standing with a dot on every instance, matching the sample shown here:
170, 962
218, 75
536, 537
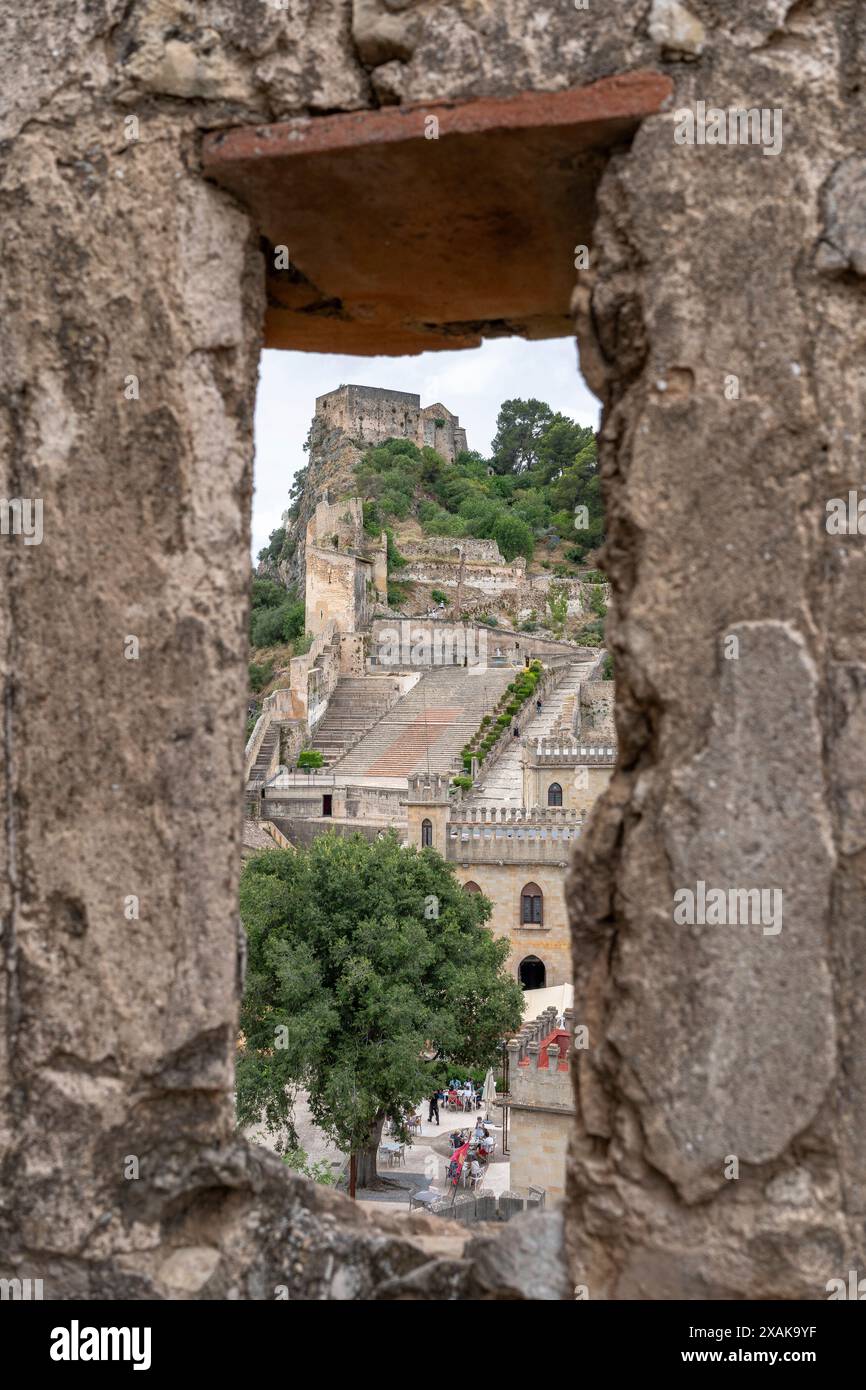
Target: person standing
434, 1108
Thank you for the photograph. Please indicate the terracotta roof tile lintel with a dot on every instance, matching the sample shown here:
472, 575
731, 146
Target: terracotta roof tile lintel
626, 97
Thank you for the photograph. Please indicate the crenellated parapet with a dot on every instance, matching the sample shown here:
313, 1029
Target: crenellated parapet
539, 1062
548, 816
565, 751
526, 841
428, 789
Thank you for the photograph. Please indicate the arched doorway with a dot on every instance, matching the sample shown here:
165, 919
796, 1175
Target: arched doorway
471, 887
532, 973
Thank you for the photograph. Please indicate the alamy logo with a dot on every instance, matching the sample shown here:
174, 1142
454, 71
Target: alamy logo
846, 517
720, 907
856, 1288
77, 1343
22, 516
20, 1290
412, 645
736, 125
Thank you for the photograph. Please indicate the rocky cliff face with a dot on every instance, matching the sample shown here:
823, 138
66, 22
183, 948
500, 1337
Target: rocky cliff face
331, 461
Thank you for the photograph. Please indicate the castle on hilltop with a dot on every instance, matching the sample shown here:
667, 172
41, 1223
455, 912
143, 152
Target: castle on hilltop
372, 414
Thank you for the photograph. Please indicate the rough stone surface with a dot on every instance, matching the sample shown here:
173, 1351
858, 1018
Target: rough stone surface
706, 1042
118, 260
843, 243
675, 29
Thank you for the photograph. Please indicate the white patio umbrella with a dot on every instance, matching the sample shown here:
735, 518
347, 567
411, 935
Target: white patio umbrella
488, 1095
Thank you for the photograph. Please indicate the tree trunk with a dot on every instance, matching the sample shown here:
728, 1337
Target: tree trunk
365, 1157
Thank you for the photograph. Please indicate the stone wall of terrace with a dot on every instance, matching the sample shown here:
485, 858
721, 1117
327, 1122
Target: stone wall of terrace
536, 838
568, 752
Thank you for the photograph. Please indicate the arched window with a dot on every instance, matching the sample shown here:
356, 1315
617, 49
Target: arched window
532, 973
531, 905
426, 833
554, 794
471, 887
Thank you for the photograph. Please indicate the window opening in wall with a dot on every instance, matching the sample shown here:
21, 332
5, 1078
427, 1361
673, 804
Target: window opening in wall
379, 546
531, 905
441, 494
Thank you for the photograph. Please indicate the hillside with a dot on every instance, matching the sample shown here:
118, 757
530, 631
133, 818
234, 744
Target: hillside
534, 504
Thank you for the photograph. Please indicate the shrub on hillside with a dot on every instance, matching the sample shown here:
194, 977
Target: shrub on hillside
310, 758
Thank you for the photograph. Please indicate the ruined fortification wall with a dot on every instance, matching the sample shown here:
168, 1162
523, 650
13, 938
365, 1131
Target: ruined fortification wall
479, 552
372, 414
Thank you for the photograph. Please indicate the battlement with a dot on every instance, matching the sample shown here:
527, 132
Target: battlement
428, 789
520, 837
372, 414
539, 1062
564, 750
514, 815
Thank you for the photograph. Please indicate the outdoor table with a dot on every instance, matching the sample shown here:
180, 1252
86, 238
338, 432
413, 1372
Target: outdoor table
426, 1198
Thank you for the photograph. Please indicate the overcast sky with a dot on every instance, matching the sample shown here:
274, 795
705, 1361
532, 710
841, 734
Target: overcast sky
472, 383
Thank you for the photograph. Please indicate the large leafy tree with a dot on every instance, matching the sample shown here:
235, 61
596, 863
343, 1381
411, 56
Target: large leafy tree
370, 974
520, 426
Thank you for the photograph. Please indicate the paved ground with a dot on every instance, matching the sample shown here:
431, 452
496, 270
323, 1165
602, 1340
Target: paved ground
427, 1160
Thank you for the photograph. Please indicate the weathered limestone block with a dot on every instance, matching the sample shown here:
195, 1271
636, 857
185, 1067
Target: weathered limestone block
843, 243
758, 1036
727, 366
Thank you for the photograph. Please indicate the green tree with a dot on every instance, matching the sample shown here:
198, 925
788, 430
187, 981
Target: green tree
274, 546
513, 536
519, 429
557, 602
560, 445
371, 974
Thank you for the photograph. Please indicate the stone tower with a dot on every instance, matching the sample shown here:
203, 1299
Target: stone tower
427, 810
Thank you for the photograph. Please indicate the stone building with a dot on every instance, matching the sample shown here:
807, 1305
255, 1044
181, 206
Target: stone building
567, 770
345, 568
517, 858
372, 414
539, 1102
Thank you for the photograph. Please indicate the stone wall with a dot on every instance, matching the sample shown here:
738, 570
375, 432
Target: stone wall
722, 323
541, 1104
503, 885
580, 784
595, 722
489, 580
478, 552
371, 414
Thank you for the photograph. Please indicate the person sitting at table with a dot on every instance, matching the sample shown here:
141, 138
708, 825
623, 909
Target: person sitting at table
476, 1173
457, 1140
487, 1144
478, 1132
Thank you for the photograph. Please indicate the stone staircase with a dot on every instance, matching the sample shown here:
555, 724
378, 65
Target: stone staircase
261, 768
356, 705
430, 724
503, 785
